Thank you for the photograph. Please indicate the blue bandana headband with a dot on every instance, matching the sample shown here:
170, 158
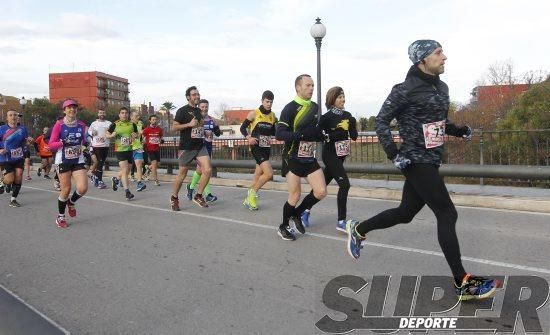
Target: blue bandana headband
421, 49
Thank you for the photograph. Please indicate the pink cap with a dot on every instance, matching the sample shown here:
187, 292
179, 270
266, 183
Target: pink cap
69, 102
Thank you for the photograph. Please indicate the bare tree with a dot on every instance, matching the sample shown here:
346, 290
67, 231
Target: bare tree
502, 73
534, 77
219, 112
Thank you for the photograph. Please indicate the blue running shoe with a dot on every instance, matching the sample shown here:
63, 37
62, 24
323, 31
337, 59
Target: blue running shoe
476, 288
190, 192
341, 225
141, 186
211, 198
305, 218
354, 240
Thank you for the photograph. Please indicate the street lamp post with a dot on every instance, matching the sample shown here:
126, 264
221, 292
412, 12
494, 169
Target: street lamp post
318, 31
23, 103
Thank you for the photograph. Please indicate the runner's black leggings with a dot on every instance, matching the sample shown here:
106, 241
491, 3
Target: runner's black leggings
101, 155
334, 169
424, 186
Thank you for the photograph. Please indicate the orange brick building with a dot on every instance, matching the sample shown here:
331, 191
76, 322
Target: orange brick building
93, 90
235, 116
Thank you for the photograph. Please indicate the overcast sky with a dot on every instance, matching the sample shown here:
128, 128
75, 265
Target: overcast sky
234, 50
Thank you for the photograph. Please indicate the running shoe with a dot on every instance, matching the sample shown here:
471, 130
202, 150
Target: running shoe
61, 222
132, 178
14, 203
57, 185
47, 177
247, 204
252, 199
341, 225
286, 233
354, 240
71, 209
129, 195
101, 185
39, 172
211, 198
114, 183
299, 226
474, 287
199, 200
141, 186
190, 192
174, 203
305, 217
1, 188
27, 178
157, 183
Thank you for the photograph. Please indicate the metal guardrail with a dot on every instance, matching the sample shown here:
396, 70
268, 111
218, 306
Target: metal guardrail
451, 170
522, 154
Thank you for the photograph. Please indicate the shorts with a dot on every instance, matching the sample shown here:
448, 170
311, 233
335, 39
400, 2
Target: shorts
101, 153
187, 156
302, 169
154, 156
9, 167
66, 167
27, 154
125, 156
137, 155
260, 154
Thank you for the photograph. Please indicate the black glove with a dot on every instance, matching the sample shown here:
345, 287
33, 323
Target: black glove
312, 134
338, 135
216, 130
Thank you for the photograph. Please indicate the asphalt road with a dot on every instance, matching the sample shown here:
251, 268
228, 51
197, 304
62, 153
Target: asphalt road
138, 268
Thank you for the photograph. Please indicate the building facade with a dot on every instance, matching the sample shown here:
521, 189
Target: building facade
93, 90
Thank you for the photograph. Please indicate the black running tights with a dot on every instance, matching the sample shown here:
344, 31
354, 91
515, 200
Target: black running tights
424, 186
334, 169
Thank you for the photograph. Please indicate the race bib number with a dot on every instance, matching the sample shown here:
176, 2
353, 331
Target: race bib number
264, 141
306, 149
154, 140
125, 140
72, 152
16, 153
100, 140
197, 132
342, 148
434, 133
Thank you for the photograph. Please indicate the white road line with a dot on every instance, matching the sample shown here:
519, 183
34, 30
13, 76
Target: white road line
398, 201
63, 330
328, 237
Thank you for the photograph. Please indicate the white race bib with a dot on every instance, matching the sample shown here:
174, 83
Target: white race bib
264, 141
197, 132
125, 140
434, 134
306, 149
342, 148
72, 152
100, 140
154, 140
16, 153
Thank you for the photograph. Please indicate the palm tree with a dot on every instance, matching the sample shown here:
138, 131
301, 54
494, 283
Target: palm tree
167, 106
